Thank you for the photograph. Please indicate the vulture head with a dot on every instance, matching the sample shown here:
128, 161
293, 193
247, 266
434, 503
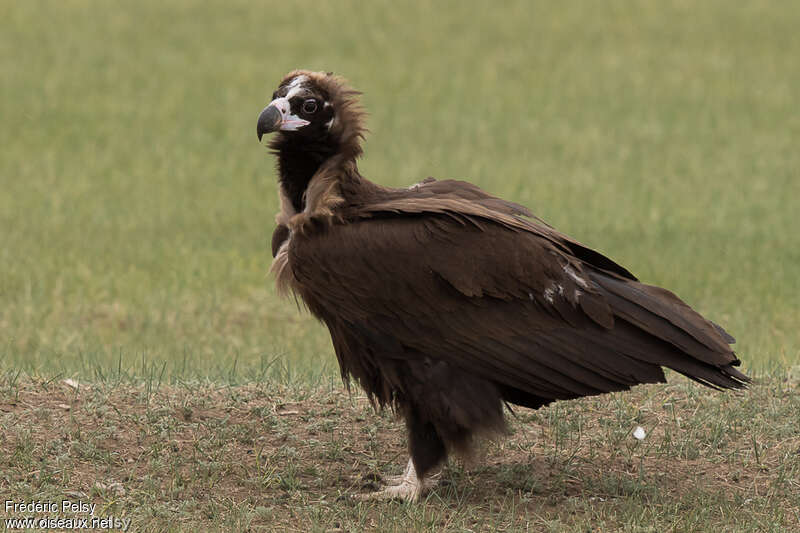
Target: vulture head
317, 120
317, 111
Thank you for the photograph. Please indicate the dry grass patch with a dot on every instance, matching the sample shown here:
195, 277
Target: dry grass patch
272, 456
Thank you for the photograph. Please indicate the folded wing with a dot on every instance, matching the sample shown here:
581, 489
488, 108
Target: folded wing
468, 281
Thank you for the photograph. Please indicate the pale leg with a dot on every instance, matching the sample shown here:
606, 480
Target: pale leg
407, 487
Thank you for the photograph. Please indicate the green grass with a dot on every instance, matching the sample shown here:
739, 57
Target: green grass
137, 206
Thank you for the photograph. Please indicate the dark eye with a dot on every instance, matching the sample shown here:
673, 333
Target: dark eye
310, 106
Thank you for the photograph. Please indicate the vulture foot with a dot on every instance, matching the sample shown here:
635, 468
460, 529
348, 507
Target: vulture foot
407, 487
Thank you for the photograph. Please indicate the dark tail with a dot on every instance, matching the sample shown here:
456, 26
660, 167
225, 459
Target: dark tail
702, 350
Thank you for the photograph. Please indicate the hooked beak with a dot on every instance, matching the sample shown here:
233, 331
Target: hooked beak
278, 116
268, 121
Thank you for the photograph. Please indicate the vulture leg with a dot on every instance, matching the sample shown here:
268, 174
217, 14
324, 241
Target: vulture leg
396, 480
427, 451
408, 487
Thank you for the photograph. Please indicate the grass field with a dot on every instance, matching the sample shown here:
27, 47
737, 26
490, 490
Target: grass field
137, 206
267, 457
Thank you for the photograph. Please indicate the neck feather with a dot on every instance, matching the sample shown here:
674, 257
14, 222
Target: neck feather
298, 161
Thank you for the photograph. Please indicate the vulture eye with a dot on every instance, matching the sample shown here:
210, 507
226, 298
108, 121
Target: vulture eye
310, 106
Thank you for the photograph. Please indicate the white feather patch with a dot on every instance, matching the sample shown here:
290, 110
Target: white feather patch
296, 85
579, 280
548, 294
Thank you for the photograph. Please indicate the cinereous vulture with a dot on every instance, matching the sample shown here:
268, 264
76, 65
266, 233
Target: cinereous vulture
447, 303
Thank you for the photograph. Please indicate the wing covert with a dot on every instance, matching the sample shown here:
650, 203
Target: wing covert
500, 302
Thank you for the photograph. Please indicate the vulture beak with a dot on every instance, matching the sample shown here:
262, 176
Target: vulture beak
278, 116
268, 121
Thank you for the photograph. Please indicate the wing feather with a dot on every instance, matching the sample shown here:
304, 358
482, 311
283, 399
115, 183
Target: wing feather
468, 282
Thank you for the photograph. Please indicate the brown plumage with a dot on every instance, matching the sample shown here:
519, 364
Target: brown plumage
445, 302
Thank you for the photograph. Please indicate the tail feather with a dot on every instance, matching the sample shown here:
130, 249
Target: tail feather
703, 352
725, 335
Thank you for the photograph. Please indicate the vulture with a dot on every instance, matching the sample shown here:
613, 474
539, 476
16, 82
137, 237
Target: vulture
446, 303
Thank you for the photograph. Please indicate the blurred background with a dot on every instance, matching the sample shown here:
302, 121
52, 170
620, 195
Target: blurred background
136, 204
